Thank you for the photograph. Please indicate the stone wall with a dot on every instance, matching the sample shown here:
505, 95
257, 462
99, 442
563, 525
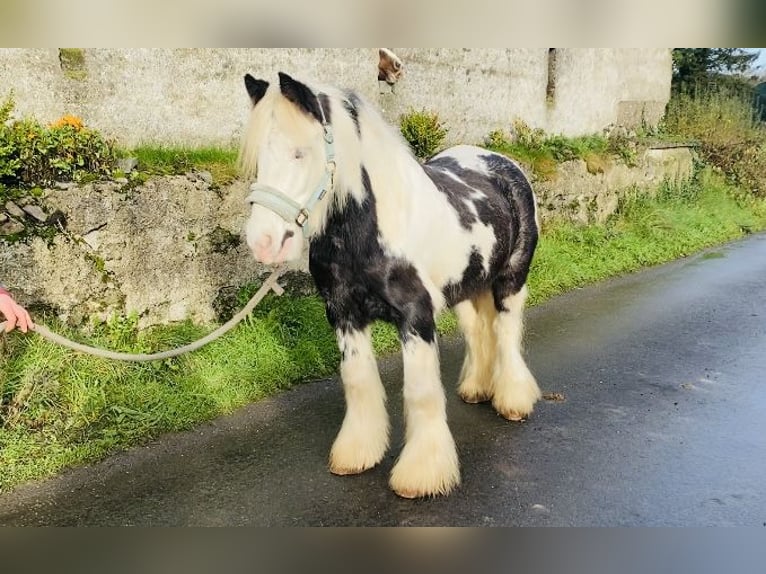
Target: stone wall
172, 248
196, 97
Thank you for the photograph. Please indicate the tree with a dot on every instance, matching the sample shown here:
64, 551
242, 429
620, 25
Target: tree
760, 100
702, 67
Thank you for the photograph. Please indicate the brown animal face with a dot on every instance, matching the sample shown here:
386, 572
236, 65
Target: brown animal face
390, 67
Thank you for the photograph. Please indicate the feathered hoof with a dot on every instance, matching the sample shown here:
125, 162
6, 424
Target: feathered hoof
473, 393
517, 401
426, 468
354, 456
473, 397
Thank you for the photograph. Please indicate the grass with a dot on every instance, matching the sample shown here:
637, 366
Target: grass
644, 232
58, 408
542, 153
220, 162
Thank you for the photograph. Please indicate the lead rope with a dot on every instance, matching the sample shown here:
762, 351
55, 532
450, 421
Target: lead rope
269, 285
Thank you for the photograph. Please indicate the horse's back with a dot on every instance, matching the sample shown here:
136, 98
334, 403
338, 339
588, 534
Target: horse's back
489, 189
471, 175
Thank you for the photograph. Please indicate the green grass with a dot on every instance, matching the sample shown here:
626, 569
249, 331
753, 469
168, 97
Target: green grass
220, 162
58, 408
542, 152
643, 233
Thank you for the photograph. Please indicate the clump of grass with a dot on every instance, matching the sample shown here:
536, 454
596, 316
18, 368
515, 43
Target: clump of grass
424, 131
542, 152
163, 160
729, 135
646, 230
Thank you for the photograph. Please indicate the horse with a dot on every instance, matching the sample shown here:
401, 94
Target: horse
395, 240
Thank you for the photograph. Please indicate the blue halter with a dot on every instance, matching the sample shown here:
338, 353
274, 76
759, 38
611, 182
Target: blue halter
286, 207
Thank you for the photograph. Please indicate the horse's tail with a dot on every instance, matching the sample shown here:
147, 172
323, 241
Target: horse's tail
523, 203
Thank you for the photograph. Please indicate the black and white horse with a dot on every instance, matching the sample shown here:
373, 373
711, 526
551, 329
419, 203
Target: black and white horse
395, 240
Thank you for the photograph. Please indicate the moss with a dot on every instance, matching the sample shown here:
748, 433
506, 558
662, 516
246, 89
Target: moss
73, 63
100, 265
222, 240
596, 162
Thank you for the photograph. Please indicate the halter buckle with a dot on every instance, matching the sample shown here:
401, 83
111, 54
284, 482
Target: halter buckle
302, 217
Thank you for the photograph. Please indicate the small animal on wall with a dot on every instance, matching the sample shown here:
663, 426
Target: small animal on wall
391, 239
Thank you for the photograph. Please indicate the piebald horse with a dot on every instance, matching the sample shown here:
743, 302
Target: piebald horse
395, 240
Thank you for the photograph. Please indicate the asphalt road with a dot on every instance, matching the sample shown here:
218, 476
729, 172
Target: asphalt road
663, 422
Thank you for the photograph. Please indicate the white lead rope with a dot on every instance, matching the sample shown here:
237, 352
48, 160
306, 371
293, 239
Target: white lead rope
269, 285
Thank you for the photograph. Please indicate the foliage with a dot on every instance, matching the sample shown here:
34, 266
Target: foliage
424, 131
542, 152
35, 155
646, 230
729, 137
760, 101
221, 163
703, 68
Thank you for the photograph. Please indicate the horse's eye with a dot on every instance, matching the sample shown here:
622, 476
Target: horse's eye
299, 154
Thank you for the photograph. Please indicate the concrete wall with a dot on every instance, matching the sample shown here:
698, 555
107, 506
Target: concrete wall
195, 96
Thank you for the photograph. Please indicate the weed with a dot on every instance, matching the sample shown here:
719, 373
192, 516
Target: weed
424, 131
35, 155
220, 162
542, 152
729, 135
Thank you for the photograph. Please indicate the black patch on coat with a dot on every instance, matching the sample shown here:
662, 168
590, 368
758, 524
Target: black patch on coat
359, 282
507, 207
456, 193
256, 89
352, 104
473, 282
303, 97
517, 187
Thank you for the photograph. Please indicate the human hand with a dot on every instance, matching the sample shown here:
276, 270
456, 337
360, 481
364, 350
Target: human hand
15, 314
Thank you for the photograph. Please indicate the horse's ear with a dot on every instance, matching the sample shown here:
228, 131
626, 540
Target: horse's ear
255, 88
300, 94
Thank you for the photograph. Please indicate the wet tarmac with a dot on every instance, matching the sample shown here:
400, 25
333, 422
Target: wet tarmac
656, 416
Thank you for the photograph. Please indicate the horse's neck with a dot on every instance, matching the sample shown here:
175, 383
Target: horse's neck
399, 185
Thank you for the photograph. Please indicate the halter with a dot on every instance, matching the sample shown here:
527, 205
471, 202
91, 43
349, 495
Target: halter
287, 208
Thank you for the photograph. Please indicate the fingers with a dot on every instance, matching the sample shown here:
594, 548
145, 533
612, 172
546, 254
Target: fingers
10, 321
22, 319
28, 319
16, 316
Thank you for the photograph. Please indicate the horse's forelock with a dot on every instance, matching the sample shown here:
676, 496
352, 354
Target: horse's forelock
272, 109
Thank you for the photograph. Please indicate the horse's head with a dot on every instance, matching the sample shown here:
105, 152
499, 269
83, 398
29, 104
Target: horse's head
288, 147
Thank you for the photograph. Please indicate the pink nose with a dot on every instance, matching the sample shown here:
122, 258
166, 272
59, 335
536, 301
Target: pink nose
262, 249
264, 242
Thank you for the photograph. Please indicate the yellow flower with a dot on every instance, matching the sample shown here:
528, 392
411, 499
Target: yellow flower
68, 120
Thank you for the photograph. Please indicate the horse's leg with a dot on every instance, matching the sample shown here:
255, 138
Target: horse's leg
428, 464
363, 437
515, 389
476, 319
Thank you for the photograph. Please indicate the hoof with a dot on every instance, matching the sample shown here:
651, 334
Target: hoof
428, 466
474, 398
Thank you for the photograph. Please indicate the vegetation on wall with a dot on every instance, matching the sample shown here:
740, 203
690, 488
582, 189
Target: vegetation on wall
424, 131
542, 152
32, 154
